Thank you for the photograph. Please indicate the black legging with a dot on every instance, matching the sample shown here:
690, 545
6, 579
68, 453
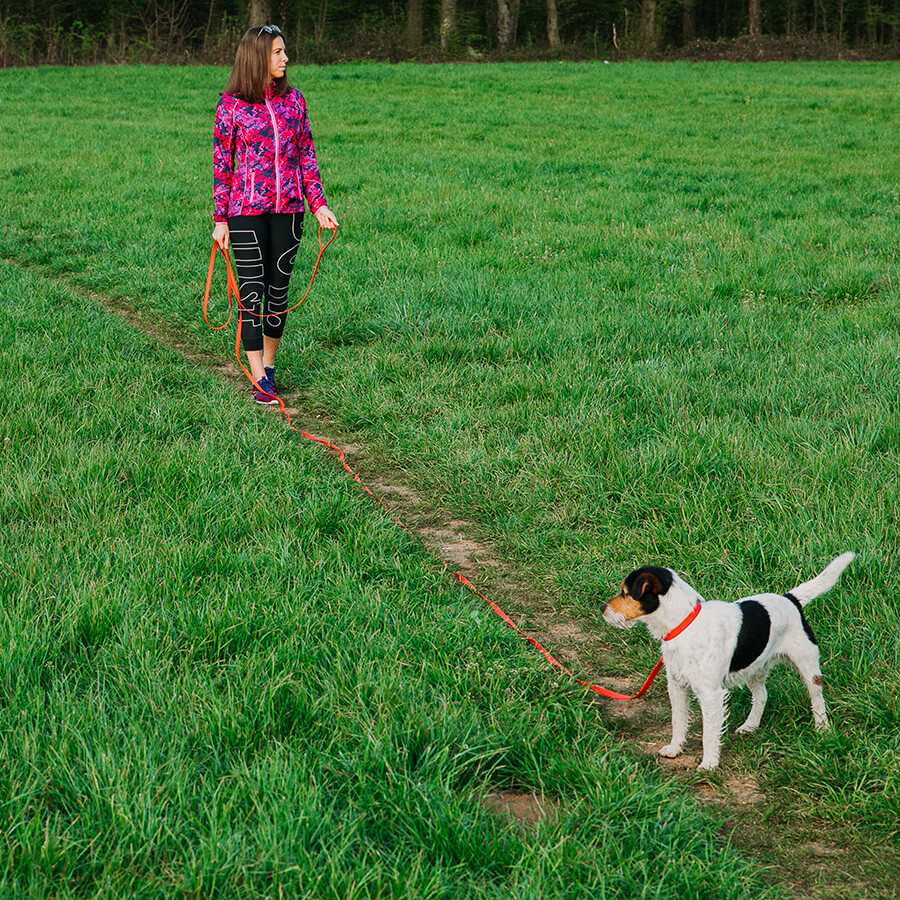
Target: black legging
264, 251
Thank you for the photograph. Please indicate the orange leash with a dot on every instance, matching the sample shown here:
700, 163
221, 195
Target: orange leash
233, 287
233, 290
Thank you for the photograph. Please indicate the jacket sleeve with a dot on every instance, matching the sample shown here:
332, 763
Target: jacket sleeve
309, 165
223, 157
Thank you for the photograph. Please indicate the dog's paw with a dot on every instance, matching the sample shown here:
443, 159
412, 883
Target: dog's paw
670, 751
746, 728
707, 765
823, 726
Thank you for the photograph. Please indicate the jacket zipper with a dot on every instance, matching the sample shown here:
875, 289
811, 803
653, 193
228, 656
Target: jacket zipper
252, 183
277, 174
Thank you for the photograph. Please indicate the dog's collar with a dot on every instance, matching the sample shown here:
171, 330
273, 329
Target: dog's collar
679, 628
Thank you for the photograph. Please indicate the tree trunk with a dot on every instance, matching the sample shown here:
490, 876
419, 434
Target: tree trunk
448, 24
507, 19
209, 18
414, 23
688, 23
320, 26
260, 13
754, 19
816, 5
648, 23
552, 25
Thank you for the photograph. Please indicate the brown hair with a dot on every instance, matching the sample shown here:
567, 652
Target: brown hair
250, 76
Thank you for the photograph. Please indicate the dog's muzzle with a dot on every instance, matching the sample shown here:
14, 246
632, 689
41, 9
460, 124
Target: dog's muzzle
616, 619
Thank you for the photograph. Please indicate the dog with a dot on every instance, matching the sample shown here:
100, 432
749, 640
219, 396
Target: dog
724, 645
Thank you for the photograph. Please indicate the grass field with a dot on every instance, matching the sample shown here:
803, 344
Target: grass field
613, 314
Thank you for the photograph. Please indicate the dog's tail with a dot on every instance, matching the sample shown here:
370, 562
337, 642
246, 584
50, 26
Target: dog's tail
823, 582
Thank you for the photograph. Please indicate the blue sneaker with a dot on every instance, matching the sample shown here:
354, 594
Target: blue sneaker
266, 393
270, 374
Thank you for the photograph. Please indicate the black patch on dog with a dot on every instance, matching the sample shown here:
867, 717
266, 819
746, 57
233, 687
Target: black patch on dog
647, 584
753, 636
803, 622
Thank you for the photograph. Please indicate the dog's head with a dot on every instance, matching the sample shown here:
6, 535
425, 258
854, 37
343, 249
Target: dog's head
638, 597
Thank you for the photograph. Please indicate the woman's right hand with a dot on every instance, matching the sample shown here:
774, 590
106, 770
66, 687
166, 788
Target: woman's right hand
220, 235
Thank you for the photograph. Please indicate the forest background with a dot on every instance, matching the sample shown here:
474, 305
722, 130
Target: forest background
71, 32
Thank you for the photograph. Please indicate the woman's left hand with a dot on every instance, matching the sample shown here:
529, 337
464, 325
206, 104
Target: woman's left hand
325, 217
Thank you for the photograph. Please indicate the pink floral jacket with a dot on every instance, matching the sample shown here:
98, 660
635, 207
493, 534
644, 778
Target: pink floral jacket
264, 160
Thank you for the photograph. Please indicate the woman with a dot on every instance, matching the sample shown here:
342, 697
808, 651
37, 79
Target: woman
264, 165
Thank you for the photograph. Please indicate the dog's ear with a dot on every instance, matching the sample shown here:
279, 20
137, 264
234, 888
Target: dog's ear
647, 585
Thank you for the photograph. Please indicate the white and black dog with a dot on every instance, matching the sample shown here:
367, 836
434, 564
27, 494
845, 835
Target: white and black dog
727, 644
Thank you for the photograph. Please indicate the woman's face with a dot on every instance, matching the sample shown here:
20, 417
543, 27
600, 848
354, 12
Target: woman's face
278, 58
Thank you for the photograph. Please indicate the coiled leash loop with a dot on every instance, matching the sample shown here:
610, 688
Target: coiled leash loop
233, 286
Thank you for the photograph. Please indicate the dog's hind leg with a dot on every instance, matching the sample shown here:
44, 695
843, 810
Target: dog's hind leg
806, 661
759, 694
712, 706
680, 699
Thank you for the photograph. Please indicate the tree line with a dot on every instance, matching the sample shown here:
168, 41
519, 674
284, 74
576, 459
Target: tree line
91, 31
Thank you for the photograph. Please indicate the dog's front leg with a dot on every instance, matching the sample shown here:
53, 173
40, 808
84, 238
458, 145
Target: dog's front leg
712, 707
680, 699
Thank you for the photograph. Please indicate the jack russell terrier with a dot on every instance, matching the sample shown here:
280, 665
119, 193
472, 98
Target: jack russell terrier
710, 646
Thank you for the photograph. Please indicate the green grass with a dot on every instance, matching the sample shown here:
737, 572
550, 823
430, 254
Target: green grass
224, 673
615, 314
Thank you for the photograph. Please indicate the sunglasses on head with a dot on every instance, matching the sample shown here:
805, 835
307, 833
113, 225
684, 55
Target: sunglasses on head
270, 29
